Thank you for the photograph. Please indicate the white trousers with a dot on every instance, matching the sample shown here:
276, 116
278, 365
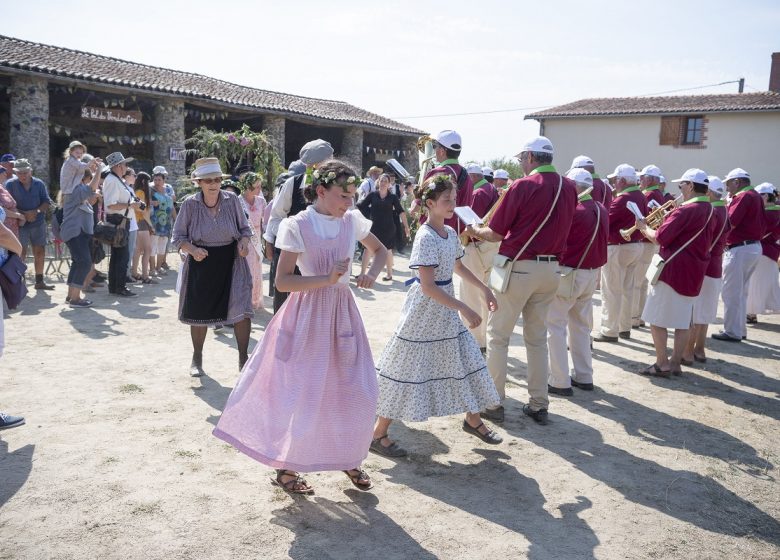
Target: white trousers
640, 282
617, 287
764, 288
738, 266
479, 260
576, 313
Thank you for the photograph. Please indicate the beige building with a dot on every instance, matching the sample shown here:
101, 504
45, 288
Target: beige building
712, 132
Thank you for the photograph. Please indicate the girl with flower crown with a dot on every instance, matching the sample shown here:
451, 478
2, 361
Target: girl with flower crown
432, 365
306, 398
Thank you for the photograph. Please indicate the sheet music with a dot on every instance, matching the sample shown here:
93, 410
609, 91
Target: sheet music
631, 205
467, 215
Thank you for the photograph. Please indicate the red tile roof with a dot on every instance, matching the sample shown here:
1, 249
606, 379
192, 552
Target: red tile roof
617, 106
68, 63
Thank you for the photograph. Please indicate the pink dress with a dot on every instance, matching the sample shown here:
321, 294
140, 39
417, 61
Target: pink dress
306, 399
255, 257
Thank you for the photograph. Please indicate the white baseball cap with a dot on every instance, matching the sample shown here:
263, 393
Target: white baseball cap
449, 139
716, 185
537, 144
581, 161
159, 170
623, 170
765, 188
501, 174
474, 168
694, 175
487, 171
737, 173
579, 175
652, 170
662, 179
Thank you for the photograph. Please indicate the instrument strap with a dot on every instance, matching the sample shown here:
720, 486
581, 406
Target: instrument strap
691, 240
592, 238
547, 217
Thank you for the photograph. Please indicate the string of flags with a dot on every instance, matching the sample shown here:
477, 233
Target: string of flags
205, 116
108, 138
383, 151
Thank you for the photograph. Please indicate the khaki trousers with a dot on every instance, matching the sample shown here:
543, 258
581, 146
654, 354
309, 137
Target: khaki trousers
531, 289
479, 260
640, 282
617, 287
576, 313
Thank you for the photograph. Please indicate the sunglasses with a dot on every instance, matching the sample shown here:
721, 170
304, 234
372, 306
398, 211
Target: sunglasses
212, 181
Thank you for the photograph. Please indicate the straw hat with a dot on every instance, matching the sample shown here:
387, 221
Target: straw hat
208, 168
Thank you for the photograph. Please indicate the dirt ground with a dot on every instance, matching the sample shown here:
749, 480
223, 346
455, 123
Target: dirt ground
117, 459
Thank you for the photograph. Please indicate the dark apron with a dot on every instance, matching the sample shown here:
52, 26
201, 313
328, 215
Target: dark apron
208, 285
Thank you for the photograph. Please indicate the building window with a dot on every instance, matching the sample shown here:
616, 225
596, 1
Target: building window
693, 128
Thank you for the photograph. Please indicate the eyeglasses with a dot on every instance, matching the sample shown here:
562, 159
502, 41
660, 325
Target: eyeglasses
212, 181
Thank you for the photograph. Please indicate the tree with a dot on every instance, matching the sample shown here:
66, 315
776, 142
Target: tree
509, 164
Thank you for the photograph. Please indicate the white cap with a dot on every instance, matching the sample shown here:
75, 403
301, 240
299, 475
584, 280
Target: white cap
652, 170
159, 170
449, 139
737, 173
623, 170
662, 179
694, 175
474, 168
487, 171
765, 188
579, 175
716, 185
537, 144
581, 161
501, 174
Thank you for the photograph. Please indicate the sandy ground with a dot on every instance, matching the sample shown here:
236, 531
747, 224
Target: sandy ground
117, 459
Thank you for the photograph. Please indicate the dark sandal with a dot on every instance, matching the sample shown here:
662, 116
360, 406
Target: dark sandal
387, 278
490, 437
700, 359
686, 362
297, 485
655, 371
361, 480
392, 450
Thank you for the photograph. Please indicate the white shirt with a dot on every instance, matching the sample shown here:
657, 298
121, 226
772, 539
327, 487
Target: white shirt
366, 187
280, 208
116, 192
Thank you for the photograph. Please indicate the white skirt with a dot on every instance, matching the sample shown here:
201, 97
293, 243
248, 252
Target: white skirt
705, 305
666, 308
764, 288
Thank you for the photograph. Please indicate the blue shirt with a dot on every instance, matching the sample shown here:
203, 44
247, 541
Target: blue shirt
3, 250
29, 200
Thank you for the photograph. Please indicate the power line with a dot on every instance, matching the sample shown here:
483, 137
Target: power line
687, 89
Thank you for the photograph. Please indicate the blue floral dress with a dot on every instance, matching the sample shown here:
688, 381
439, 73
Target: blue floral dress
162, 215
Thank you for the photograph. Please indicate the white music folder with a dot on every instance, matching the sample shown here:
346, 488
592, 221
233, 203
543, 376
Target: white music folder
467, 215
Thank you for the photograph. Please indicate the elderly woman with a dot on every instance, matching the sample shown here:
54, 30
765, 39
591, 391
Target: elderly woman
216, 287
13, 218
255, 204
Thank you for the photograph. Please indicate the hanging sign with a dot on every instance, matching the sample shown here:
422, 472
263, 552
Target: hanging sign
178, 154
111, 115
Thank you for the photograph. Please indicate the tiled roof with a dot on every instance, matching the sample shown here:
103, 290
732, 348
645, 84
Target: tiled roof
79, 65
615, 106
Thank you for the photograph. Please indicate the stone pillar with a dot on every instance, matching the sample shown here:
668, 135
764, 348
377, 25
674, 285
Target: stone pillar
29, 137
410, 160
169, 132
274, 128
352, 148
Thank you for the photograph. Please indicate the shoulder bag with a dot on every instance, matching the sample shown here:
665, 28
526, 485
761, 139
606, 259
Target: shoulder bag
12, 283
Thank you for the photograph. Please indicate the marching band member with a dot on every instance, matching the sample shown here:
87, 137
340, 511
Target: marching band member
487, 173
601, 192
532, 224
586, 253
447, 146
649, 179
500, 179
479, 254
617, 276
705, 306
662, 184
684, 239
764, 289
743, 249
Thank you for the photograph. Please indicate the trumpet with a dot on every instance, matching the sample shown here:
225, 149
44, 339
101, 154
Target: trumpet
654, 219
465, 238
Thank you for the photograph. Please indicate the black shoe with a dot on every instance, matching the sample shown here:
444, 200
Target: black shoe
604, 338
490, 437
539, 416
126, 293
583, 386
483, 350
567, 392
43, 286
7, 421
726, 337
494, 414
625, 334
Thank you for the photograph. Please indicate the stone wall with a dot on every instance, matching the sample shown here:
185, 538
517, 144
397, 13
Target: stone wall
410, 160
274, 128
29, 136
169, 129
352, 148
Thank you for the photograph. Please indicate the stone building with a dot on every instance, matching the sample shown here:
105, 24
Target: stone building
51, 95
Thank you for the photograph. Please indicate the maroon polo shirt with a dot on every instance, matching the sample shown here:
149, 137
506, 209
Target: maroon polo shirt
769, 246
525, 206
685, 272
620, 217
601, 192
746, 216
464, 195
485, 196
581, 232
668, 196
718, 243
656, 195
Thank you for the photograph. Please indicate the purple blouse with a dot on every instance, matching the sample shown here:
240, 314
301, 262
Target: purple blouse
195, 225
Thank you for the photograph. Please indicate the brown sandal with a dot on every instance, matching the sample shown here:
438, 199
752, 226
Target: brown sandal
297, 485
360, 480
655, 371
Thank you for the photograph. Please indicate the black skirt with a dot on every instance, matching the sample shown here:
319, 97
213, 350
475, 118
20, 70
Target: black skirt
208, 285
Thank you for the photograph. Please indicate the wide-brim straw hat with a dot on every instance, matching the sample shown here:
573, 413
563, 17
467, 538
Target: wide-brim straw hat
208, 168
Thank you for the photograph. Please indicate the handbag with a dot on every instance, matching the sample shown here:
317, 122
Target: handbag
12, 284
566, 285
502, 265
113, 230
657, 264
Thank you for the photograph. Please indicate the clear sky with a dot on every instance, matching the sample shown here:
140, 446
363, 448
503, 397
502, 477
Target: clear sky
405, 59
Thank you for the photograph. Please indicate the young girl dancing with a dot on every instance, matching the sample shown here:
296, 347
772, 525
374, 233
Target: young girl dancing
306, 398
432, 365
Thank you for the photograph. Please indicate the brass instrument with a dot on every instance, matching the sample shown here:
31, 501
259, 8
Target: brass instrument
465, 238
654, 219
427, 156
